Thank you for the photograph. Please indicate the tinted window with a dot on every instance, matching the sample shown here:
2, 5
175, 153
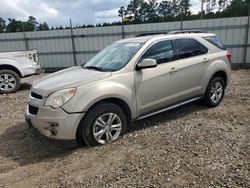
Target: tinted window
185, 48
162, 52
215, 41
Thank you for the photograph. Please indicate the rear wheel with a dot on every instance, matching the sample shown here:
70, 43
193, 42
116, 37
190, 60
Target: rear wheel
104, 123
215, 92
9, 81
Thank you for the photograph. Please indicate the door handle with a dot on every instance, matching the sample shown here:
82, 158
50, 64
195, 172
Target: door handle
173, 70
205, 60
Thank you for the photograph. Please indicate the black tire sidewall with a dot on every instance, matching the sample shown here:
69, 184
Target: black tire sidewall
16, 76
85, 131
207, 98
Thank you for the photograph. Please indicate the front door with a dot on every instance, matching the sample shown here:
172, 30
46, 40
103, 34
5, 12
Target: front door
160, 86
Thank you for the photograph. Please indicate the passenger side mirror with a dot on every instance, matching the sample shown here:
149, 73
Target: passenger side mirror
146, 63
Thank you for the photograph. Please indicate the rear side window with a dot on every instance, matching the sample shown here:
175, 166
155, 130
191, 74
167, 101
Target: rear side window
215, 41
185, 48
162, 52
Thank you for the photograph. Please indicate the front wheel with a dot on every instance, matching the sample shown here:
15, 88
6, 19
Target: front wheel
215, 92
104, 123
9, 81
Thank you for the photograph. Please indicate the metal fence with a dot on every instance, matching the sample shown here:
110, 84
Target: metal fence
65, 48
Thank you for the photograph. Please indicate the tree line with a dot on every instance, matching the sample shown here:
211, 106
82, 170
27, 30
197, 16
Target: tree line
142, 11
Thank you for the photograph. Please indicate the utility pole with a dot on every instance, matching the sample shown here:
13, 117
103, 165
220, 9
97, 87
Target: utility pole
73, 42
202, 4
24, 38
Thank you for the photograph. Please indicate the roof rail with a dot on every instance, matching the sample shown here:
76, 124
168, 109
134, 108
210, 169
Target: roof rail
186, 31
154, 33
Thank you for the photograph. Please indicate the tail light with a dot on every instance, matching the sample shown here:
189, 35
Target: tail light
229, 56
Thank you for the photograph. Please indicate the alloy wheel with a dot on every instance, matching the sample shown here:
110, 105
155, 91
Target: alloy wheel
7, 82
107, 128
216, 92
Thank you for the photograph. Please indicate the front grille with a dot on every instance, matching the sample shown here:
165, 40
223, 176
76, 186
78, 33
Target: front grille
36, 96
33, 110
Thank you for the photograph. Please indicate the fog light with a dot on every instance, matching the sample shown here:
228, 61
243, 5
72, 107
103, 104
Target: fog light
52, 128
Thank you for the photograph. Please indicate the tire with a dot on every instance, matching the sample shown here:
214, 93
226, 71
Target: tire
9, 81
214, 92
96, 121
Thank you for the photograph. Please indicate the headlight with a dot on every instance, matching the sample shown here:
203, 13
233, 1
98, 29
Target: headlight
59, 98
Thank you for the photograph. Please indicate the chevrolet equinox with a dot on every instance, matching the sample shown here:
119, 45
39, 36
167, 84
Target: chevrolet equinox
129, 80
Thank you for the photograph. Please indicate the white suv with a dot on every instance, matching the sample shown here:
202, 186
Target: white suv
16, 65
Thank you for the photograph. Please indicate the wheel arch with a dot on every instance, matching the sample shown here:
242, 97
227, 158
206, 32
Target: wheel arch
10, 67
222, 74
114, 100
117, 101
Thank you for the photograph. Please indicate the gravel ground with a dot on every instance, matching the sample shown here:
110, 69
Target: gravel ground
192, 146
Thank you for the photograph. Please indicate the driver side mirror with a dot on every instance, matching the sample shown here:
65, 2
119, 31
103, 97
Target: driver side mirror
146, 63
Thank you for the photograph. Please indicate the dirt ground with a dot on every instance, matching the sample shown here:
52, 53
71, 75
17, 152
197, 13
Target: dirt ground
192, 146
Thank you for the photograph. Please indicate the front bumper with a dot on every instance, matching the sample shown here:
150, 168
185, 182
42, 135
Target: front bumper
54, 123
32, 70
39, 71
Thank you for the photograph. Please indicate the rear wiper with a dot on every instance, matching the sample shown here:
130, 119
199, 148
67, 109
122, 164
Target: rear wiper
94, 67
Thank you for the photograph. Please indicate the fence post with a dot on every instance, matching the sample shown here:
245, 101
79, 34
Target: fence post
73, 43
123, 33
25, 39
246, 39
182, 15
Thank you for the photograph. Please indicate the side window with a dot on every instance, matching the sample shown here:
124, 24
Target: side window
185, 48
215, 41
162, 52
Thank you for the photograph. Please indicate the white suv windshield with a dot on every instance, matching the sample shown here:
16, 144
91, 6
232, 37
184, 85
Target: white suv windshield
114, 57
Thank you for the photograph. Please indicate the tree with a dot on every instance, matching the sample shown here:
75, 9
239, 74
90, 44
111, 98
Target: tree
236, 8
14, 26
2, 25
151, 11
121, 12
185, 7
222, 4
168, 9
31, 24
137, 11
43, 27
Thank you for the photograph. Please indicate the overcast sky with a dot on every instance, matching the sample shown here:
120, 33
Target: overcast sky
58, 12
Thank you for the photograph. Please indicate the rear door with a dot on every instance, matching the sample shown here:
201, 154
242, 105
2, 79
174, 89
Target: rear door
195, 60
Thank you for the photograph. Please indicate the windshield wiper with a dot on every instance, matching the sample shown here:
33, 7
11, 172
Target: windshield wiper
94, 68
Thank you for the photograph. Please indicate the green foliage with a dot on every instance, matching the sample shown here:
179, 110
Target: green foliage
31, 24
236, 8
2, 25
137, 11
43, 27
151, 11
146, 11
141, 11
18, 26
14, 26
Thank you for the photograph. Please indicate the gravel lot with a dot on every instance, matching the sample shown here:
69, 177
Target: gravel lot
192, 146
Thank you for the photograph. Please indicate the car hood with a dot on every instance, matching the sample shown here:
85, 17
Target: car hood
67, 78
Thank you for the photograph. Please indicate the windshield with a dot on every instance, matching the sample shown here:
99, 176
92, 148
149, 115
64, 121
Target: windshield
114, 57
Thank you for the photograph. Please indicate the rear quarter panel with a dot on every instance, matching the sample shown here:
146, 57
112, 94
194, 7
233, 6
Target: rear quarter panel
219, 63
